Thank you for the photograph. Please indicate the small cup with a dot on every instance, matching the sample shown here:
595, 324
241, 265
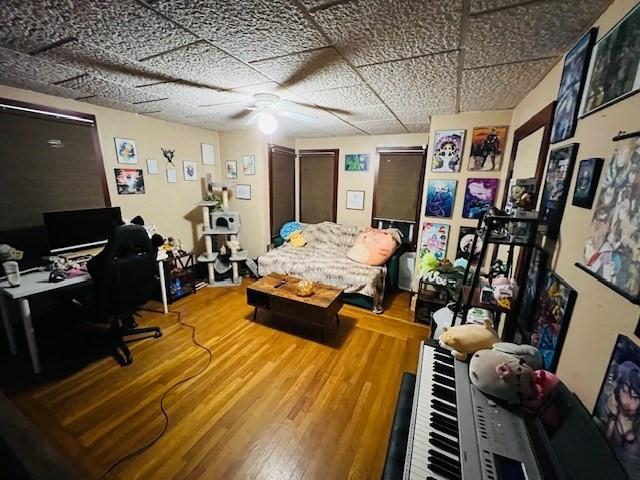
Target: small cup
13, 273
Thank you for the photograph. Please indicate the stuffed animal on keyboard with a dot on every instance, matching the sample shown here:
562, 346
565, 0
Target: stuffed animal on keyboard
467, 339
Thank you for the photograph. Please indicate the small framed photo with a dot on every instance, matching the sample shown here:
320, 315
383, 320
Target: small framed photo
190, 171
249, 165
152, 167
208, 154
356, 162
231, 169
130, 181
243, 192
172, 175
587, 182
126, 151
355, 199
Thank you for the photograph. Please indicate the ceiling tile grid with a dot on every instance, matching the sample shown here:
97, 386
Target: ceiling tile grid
249, 29
20, 65
189, 94
379, 127
115, 104
480, 91
365, 114
417, 127
344, 97
88, 85
372, 31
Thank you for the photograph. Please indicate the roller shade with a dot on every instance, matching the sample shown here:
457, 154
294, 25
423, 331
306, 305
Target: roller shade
282, 183
398, 186
318, 180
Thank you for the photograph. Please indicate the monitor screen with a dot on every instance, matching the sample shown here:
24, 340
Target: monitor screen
75, 229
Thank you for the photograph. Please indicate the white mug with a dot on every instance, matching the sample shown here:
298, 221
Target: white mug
13, 273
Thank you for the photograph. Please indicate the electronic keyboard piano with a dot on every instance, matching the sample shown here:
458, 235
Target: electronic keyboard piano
456, 432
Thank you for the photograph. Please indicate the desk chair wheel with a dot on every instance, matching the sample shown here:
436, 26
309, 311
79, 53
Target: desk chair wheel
158, 334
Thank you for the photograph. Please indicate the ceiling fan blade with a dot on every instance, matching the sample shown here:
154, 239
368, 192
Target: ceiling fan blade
253, 118
317, 61
241, 114
337, 111
297, 115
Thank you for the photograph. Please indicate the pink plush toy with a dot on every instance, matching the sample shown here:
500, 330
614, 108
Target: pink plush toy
374, 246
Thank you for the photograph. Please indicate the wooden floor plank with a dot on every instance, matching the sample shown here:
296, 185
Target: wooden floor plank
275, 403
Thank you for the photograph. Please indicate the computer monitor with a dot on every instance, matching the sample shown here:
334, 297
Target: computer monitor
77, 229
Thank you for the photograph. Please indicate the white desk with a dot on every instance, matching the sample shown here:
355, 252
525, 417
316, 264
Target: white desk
35, 283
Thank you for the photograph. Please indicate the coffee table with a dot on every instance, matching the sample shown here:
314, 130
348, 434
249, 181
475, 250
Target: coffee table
276, 293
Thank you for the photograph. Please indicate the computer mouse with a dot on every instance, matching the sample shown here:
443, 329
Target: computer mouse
57, 276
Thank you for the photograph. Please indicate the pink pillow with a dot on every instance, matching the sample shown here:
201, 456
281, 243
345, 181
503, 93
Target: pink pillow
373, 247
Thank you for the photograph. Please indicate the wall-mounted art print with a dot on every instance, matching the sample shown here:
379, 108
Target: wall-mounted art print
555, 305
190, 170
465, 244
556, 187
356, 162
532, 287
129, 181
231, 169
587, 182
435, 237
614, 73
576, 65
126, 150
243, 192
172, 175
611, 252
355, 199
487, 145
440, 197
249, 165
208, 154
152, 166
448, 146
479, 196
617, 409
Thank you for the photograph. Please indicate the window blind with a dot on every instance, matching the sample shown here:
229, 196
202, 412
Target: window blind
398, 186
318, 183
282, 183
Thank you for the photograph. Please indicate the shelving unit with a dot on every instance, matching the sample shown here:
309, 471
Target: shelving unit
179, 270
488, 231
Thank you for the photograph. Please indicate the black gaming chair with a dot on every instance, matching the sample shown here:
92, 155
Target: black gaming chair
123, 276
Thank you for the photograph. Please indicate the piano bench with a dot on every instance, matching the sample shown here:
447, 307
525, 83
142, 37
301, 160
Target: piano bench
397, 449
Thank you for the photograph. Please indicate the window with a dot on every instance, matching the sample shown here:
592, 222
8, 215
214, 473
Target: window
398, 190
318, 185
282, 187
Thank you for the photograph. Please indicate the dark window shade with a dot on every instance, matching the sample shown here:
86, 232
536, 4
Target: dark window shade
397, 189
282, 188
318, 187
37, 177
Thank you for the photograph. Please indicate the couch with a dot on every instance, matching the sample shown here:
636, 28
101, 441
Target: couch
324, 259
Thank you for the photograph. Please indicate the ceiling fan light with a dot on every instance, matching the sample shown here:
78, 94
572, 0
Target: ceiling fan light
267, 123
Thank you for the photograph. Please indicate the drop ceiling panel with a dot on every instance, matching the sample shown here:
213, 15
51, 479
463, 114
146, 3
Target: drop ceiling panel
20, 65
7, 78
425, 83
345, 98
189, 94
248, 29
111, 103
205, 65
482, 5
528, 32
88, 85
502, 86
372, 31
378, 127
413, 116
336, 128
317, 70
417, 127
376, 112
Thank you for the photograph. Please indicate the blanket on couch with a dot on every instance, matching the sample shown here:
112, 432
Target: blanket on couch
324, 260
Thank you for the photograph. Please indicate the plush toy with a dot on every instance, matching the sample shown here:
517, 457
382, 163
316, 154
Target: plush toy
467, 339
292, 232
375, 246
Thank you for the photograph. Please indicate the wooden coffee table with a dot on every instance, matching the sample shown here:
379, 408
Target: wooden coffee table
277, 293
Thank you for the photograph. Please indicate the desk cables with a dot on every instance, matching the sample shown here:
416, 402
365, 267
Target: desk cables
165, 426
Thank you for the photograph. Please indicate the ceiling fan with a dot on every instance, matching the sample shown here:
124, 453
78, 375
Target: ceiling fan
266, 107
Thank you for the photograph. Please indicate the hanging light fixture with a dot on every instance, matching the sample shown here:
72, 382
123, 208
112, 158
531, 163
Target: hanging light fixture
267, 123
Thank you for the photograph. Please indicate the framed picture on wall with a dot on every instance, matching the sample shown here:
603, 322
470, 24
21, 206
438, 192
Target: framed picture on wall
231, 169
587, 182
356, 162
556, 187
243, 192
129, 181
190, 171
355, 199
487, 145
448, 146
574, 72
441, 195
435, 237
208, 154
532, 287
611, 251
555, 306
126, 150
249, 165
617, 403
479, 196
614, 73
465, 244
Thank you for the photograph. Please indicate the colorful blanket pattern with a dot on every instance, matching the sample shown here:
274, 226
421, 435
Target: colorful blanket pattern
324, 260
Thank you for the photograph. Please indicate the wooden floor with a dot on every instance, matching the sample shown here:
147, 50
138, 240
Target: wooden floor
274, 404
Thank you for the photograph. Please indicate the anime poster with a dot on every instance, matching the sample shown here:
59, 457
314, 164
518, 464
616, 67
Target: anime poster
617, 409
612, 252
479, 197
440, 197
487, 145
129, 181
532, 287
434, 239
556, 187
465, 244
576, 64
447, 150
555, 305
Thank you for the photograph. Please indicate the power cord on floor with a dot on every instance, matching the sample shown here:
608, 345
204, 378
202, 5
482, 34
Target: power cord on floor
164, 395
